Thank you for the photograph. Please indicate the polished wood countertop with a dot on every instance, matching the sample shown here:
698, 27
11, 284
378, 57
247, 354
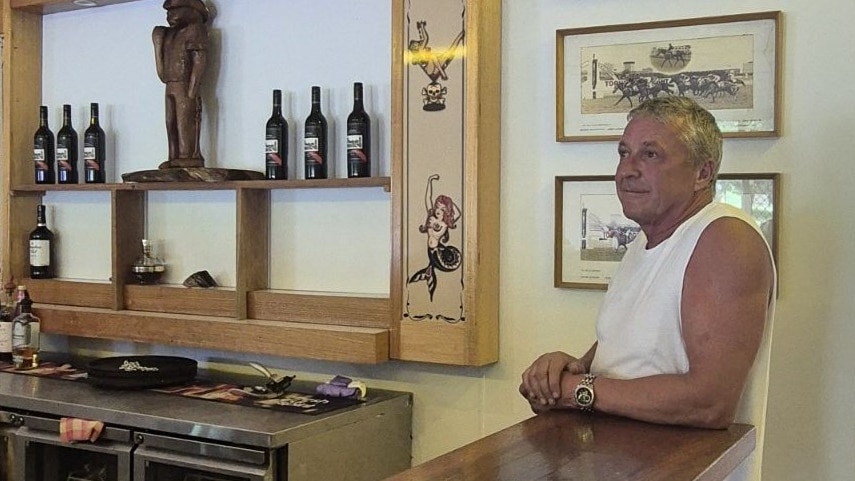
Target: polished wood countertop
565, 445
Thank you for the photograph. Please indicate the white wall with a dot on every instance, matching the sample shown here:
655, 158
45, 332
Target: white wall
810, 429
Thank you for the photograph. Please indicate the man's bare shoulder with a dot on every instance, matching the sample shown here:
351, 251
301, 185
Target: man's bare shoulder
732, 250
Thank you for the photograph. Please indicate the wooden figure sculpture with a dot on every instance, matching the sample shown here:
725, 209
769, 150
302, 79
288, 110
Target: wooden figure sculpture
180, 55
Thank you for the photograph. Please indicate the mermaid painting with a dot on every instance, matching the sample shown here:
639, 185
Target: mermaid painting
442, 215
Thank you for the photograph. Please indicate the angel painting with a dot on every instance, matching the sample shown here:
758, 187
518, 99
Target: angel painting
434, 65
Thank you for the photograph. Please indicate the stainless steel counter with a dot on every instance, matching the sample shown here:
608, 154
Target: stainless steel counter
153, 411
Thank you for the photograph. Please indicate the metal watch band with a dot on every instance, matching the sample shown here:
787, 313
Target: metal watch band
587, 384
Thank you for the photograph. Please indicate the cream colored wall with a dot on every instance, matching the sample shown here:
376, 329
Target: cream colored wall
810, 428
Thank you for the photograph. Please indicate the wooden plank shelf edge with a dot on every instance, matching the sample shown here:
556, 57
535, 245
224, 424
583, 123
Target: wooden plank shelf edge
56, 6
286, 339
364, 182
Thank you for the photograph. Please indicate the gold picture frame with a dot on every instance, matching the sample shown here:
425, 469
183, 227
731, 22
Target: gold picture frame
729, 64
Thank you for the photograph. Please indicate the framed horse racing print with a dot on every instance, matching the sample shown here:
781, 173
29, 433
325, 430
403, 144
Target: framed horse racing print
729, 64
592, 234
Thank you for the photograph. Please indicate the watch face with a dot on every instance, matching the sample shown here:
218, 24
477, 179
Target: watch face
584, 396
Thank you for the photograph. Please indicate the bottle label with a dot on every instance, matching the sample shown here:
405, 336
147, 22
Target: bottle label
5, 337
39, 253
88, 153
20, 332
62, 154
39, 155
311, 147
271, 146
354, 142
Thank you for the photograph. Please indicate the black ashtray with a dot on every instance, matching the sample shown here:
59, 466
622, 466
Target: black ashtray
140, 372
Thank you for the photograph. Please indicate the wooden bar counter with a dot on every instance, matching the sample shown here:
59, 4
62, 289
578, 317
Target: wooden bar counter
567, 445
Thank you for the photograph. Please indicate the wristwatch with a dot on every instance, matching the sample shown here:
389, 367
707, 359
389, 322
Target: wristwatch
584, 393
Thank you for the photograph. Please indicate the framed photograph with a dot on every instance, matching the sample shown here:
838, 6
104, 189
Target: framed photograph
728, 64
756, 194
592, 234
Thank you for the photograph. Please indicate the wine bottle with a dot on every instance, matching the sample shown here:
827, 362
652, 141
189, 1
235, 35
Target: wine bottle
7, 310
26, 330
66, 150
276, 142
44, 155
41, 247
358, 137
94, 149
315, 140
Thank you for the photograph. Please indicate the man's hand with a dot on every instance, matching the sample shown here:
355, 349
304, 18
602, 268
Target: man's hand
541, 382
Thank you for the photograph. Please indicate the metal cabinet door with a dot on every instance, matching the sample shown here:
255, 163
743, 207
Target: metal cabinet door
40, 454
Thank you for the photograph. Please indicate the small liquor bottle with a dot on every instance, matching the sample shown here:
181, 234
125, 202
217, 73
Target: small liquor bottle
66, 150
44, 155
315, 140
41, 247
358, 137
94, 149
276, 142
26, 330
7, 310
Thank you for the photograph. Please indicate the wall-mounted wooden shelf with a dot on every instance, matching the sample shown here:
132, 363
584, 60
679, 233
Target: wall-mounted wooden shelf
47, 7
361, 182
251, 317
314, 341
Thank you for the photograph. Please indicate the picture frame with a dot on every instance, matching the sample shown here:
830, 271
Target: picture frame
730, 64
592, 234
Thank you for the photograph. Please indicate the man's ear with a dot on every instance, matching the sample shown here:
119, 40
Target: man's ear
705, 175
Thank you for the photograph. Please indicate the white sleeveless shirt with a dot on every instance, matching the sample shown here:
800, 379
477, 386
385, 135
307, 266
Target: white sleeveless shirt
639, 328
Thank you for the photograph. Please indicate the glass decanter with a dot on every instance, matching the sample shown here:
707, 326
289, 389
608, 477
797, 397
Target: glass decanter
148, 269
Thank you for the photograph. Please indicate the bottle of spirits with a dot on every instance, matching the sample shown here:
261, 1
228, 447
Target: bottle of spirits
21, 293
315, 140
276, 142
41, 247
26, 329
7, 310
66, 150
94, 149
43, 150
358, 137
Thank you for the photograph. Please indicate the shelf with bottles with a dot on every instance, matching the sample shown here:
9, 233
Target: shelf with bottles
359, 182
358, 325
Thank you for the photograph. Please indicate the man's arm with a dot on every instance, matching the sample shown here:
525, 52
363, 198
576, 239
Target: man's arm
726, 293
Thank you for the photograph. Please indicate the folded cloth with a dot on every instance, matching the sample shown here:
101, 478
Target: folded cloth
341, 386
74, 429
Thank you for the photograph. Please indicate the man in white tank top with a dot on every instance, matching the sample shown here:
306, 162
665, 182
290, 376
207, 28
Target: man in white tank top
691, 305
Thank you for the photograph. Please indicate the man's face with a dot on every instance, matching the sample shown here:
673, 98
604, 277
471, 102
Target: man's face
655, 180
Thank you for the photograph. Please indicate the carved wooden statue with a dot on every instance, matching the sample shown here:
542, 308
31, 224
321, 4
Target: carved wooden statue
180, 54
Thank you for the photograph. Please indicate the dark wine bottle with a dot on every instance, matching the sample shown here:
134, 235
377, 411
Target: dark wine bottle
358, 137
41, 247
276, 142
66, 150
315, 140
94, 149
44, 155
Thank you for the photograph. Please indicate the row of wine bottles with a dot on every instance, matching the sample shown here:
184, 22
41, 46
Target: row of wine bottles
56, 160
315, 145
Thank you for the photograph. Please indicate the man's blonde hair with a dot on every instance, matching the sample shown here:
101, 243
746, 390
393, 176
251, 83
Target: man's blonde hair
695, 127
